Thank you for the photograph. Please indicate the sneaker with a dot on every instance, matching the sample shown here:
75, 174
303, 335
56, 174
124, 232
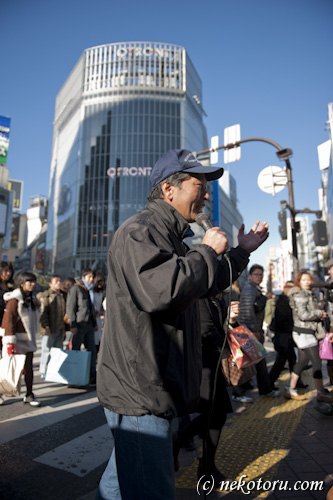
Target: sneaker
31, 400
325, 409
2, 401
325, 395
290, 393
242, 399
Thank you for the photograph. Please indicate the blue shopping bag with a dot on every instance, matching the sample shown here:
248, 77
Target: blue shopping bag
68, 367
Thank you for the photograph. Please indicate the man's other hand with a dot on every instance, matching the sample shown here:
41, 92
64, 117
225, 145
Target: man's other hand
254, 238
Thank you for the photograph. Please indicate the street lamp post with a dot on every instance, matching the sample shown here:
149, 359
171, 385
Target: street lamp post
282, 154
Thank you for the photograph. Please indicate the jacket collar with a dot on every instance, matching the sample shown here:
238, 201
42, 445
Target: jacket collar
15, 294
171, 217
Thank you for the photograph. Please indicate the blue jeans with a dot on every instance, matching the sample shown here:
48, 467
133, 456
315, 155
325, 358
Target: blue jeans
55, 340
141, 463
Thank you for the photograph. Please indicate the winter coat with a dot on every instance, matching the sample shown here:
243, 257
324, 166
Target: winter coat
150, 356
213, 313
98, 301
8, 288
20, 324
252, 307
306, 312
283, 317
79, 308
53, 311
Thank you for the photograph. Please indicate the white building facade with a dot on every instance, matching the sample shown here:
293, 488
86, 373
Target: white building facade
121, 108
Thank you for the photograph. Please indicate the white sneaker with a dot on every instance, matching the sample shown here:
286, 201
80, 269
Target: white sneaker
2, 401
242, 399
290, 393
31, 400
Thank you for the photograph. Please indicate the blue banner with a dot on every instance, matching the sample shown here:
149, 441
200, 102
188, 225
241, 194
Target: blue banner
4, 138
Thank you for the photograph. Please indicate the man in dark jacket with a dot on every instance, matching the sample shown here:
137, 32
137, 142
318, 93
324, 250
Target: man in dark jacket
52, 320
149, 363
252, 312
81, 316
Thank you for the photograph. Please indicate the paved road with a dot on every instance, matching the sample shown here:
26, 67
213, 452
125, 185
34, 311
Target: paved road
56, 451
60, 450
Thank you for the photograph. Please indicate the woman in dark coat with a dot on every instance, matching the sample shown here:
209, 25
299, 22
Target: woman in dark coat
283, 328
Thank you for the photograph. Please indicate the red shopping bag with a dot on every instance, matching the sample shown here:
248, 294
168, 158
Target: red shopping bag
245, 348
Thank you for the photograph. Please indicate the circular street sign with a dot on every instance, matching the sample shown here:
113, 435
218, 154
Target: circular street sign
271, 180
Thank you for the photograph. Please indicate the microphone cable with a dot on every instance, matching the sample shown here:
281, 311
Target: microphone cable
218, 367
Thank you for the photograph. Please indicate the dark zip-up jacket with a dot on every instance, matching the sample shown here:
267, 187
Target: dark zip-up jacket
150, 356
79, 308
252, 307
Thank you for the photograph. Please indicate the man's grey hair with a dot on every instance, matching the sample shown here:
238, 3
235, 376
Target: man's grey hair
175, 180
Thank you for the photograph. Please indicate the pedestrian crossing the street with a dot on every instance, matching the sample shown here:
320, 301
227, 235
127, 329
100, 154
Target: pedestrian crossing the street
45, 452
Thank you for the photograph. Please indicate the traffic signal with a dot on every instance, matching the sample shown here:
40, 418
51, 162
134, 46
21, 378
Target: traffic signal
283, 224
320, 233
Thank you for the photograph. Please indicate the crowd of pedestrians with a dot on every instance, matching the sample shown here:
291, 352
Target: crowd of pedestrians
68, 314
158, 334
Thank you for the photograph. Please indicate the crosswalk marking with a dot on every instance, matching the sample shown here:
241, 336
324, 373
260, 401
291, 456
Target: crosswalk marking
22, 425
83, 454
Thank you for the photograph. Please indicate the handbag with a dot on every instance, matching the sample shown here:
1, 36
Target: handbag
320, 333
234, 375
68, 367
325, 348
245, 348
11, 368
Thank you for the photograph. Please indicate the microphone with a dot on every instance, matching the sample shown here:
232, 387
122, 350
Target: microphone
203, 221
323, 284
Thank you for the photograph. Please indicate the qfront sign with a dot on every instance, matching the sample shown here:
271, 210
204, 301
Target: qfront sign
158, 52
128, 172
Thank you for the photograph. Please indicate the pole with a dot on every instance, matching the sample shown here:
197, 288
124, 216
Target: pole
282, 154
292, 214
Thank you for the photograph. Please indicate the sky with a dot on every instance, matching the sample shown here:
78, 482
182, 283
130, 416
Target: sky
264, 64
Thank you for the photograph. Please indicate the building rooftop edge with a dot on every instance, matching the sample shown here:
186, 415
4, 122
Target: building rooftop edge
133, 42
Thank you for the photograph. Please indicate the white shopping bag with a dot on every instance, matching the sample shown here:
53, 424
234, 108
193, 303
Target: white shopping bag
11, 368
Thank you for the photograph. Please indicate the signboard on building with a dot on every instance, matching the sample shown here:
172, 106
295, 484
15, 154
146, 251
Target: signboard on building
15, 231
3, 218
4, 138
4, 198
17, 188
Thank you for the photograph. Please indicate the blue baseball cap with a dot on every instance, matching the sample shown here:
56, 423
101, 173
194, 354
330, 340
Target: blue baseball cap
181, 160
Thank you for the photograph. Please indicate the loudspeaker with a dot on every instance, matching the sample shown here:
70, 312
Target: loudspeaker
320, 233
